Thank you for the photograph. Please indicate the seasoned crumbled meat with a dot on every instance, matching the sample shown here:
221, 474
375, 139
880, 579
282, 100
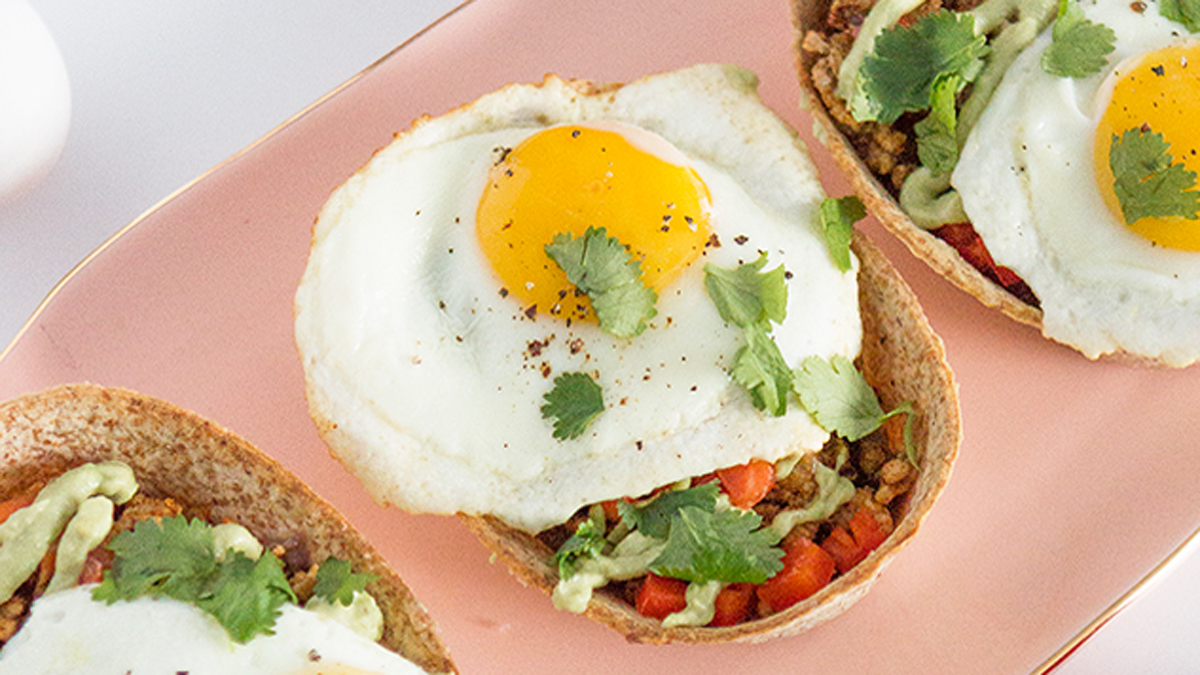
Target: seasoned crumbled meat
865, 498
824, 76
294, 552
901, 172
12, 613
882, 516
797, 488
872, 452
898, 478
302, 583
848, 15
45, 572
896, 470
816, 43
834, 448
929, 7
141, 507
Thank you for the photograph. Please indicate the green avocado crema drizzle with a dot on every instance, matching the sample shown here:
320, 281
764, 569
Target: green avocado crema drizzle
79, 505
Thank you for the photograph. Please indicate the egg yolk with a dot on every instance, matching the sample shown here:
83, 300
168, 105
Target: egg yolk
1159, 91
567, 178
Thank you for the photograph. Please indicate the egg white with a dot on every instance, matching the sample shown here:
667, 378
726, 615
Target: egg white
425, 374
68, 632
1027, 183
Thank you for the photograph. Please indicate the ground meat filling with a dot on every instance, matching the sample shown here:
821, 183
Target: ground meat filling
890, 151
882, 475
294, 552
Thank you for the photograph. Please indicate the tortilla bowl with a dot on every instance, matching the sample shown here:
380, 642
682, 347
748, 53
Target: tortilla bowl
175, 453
904, 361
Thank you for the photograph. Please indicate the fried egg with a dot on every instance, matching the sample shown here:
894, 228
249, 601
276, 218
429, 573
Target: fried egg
431, 323
1035, 181
68, 632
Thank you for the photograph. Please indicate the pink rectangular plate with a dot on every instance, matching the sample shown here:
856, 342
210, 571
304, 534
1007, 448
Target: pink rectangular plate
1074, 479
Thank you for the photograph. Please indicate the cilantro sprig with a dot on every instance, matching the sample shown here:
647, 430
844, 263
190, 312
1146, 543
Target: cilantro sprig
838, 216
1078, 46
724, 545
1147, 182
843, 402
573, 403
587, 542
653, 518
601, 267
1186, 12
745, 295
899, 75
701, 541
337, 584
937, 132
175, 557
752, 300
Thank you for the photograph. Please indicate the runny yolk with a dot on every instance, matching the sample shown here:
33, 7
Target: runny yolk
1159, 91
567, 178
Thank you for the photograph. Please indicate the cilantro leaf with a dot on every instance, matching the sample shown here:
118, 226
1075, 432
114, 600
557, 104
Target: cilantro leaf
838, 396
838, 217
1078, 46
760, 368
653, 518
899, 74
1186, 12
174, 557
336, 583
937, 133
842, 401
1147, 184
751, 299
587, 542
247, 594
745, 295
602, 268
574, 402
726, 545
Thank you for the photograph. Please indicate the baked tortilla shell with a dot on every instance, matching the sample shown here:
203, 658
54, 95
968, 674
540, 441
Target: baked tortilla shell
175, 453
903, 360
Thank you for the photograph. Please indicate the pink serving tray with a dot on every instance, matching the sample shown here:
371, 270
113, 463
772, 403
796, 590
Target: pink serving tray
1075, 479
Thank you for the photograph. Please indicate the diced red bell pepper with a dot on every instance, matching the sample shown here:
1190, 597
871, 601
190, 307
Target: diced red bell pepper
970, 246
658, 596
747, 484
610, 510
807, 568
866, 530
848, 548
733, 605
840, 546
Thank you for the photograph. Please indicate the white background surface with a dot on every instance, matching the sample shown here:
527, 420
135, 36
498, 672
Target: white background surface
164, 91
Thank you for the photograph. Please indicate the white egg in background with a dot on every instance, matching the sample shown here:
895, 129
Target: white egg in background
35, 99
